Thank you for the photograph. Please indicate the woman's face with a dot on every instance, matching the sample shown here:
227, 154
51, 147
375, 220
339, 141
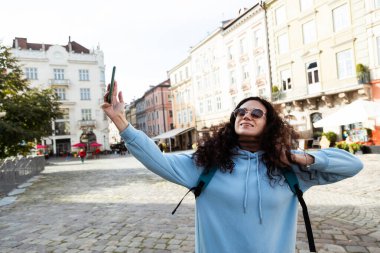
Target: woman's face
248, 125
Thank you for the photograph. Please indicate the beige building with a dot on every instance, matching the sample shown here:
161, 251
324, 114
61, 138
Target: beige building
372, 17
315, 47
77, 76
183, 104
208, 83
227, 66
246, 55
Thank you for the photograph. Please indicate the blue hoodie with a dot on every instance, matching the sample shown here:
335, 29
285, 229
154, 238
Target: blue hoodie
242, 211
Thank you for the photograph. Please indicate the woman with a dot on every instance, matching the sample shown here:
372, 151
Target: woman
247, 206
82, 154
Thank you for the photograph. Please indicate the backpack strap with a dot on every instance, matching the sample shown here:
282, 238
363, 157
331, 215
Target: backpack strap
293, 183
202, 183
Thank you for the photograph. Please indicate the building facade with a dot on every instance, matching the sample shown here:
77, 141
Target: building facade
152, 113
77, 76
227, 66
158, 109
183, 104
316, 50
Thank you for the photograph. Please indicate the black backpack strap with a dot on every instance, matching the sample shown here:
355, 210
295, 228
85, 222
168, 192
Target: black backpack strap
292, 180
202, 183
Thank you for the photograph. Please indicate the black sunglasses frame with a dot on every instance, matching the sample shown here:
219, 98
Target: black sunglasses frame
255, 113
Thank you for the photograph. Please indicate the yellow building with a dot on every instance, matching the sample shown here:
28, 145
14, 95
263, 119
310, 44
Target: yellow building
315, 49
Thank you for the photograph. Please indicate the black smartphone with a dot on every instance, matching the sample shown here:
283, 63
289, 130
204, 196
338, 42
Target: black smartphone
111, 85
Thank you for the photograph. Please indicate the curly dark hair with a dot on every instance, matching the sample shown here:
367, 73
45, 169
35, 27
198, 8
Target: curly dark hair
218, 149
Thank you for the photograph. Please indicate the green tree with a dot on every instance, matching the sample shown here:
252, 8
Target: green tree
28, 111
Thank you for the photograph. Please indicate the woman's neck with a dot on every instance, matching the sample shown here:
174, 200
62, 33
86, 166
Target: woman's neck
249, 144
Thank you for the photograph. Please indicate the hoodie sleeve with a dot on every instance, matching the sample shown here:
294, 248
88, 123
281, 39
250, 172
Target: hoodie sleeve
330, 165
176, 168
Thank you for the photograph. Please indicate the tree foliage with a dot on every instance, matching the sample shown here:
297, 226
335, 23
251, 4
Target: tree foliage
28, 111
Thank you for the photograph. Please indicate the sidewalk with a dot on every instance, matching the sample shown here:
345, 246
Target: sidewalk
115, 205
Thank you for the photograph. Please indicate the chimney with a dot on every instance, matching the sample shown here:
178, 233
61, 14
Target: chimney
70, 47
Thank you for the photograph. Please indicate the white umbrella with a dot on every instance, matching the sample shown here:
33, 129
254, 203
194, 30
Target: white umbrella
358, 111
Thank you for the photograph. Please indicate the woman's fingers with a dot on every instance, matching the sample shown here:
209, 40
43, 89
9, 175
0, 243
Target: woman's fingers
114, 93
121, 99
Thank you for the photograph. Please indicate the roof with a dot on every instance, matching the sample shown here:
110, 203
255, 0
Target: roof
23, 43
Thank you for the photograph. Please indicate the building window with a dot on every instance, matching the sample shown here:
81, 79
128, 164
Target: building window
243, 46
83, 75
190, 116
341, 18
280, 15
258, 38
286, 80
377, 3
230, 53
61, 93
345, 64
170, 113
232, 78
306, 4
65, 114
244, 70
283, 43
86, 114
179, 118
260, 66
209, 106
85, 94
218, 103
262, 92
309, 32
378, 49
59, 74
62, 128
233, 101
200, 107
184, 117
248, 94
312, 73
102, 76
31, 73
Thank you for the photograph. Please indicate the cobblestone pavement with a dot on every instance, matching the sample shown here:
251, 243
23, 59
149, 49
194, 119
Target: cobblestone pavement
114, 205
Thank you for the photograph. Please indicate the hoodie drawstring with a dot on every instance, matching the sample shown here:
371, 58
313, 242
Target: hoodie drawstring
246, 185
259, 187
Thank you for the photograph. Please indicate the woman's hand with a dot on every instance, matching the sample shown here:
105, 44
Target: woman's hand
287, 157
115, 110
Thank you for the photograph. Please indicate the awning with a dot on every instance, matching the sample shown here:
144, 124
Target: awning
172, 133
358, 111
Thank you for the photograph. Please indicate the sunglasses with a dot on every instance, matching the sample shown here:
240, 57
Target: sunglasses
255, 113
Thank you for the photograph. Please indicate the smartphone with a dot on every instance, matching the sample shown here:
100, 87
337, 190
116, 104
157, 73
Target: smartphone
111, 85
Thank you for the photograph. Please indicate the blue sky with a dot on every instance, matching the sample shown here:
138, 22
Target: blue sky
144, 39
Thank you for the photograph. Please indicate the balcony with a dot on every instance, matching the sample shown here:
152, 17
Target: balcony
87, 123
63, 82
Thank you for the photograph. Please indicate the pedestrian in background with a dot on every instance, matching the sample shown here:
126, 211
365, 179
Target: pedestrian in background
82, 154
247, 206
